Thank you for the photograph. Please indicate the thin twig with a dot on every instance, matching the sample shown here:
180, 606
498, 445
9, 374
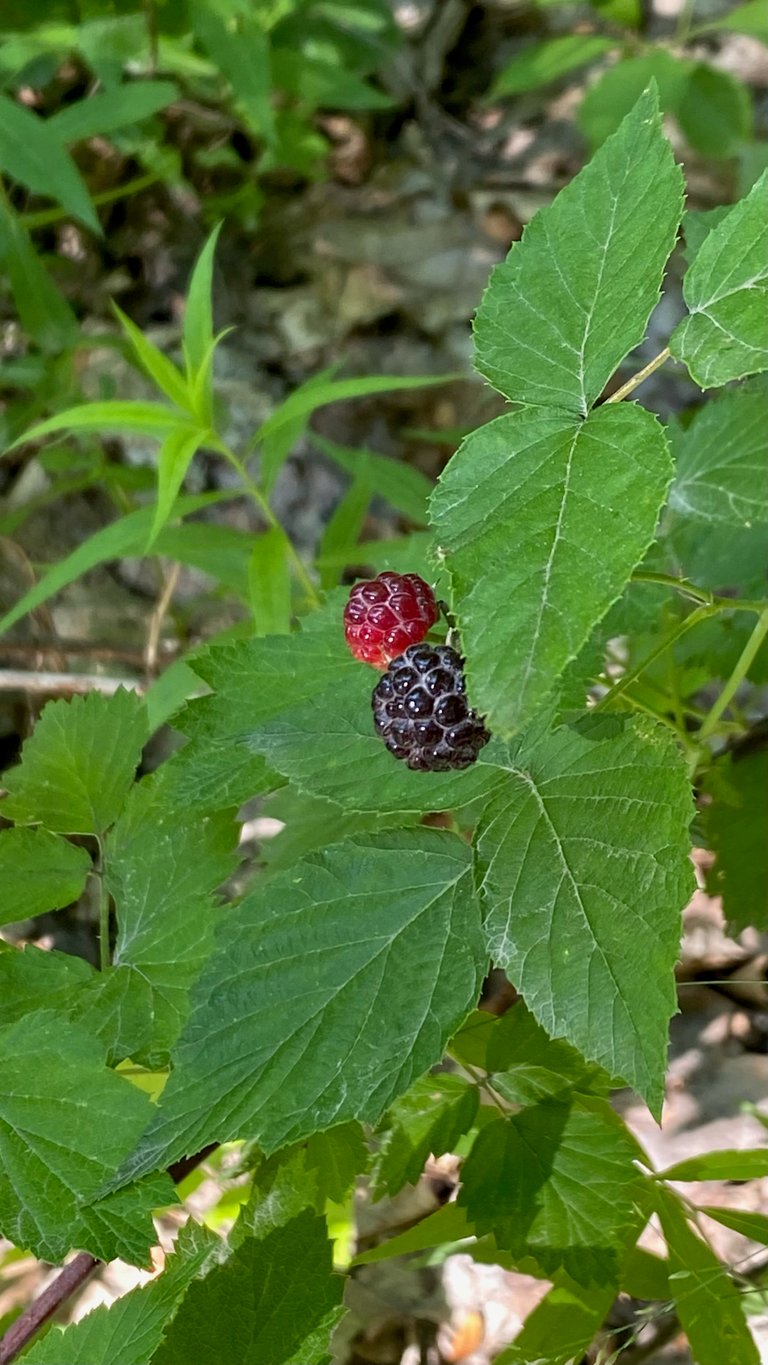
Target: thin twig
158, 616
640, 377
28, 1324
63, 684
72, 1278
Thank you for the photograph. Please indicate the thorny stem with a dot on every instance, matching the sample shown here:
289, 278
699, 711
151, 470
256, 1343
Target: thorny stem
640, 377
262, 503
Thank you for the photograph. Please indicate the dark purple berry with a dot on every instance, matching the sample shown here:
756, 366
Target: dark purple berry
420, 710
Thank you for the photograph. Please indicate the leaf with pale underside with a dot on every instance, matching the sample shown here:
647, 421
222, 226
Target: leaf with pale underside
582, 858
725, 335
721, 459
540, 520
574, 296
334, 985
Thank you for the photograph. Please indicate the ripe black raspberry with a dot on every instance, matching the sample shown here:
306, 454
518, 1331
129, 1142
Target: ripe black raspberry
386, 614
421, 711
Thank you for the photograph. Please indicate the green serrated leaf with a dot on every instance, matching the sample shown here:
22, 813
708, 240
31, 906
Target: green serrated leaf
557, 1182
53, 1164
131, 1329
751, 1164
78, 764
387, 931
273, 1294
562, 1326
162, 868
583, 850
579, 501
336, 1159
735, 824
31, 978
38, 872
526, 1066
548, 61
310, 823
427, 1120
709, 1304
574, 295
31, 153
721, 458
725, 335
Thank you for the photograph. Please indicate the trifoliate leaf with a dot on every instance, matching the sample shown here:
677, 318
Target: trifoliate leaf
540, 520
582, 853
162, 868
557, 1182
721, 459
78, 764
736, 827
272, 1295
54, 1162
574, 295
38, 872
725, 335
333, 986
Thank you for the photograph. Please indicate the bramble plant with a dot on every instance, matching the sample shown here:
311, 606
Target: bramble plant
579, 546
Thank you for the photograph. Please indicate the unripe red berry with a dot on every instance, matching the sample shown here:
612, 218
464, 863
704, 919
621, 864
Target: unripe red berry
386, 614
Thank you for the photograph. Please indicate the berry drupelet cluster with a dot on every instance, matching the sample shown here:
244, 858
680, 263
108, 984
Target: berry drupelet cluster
420, 708
421, 712
387, 614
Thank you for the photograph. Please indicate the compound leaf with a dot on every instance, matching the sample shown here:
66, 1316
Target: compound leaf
725, 335
540, 520
557, 1182
273, 1294
583, 851
334, 986
721, 459
52, 1072
574, 295
38, 872
78, 763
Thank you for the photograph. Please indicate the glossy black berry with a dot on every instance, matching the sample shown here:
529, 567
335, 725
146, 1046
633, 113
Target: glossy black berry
420, 710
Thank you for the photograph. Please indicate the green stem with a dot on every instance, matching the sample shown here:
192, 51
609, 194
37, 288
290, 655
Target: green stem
104, 955
700, 614
262, 502
743, 665
703, 595
640, 377
47, 216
